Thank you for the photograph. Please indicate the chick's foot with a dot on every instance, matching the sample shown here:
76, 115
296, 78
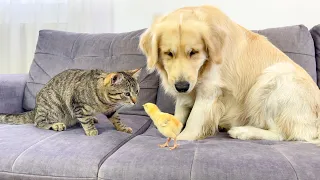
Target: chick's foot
166, 144
175, 144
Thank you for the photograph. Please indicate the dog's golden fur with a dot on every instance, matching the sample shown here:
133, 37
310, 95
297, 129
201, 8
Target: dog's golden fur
238, 79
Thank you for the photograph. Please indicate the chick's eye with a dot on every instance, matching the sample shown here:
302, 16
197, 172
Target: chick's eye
127, 94
169, 53
193, 52
137, 92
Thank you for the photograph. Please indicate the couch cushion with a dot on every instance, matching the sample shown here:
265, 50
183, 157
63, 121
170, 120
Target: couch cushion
57, 51
218, 157
31, 153
295, 41
315, 32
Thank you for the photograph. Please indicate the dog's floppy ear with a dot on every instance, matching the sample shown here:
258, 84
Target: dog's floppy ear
214, 40
213, 36
149, 43
149, 46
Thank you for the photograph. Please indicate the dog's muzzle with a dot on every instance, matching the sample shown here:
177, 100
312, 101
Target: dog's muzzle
182, 86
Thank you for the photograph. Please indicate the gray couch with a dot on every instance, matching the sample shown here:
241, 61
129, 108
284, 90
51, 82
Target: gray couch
30, 153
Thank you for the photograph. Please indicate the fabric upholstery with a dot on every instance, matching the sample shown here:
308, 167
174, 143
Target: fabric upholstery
165, 102
57, 51
315, 32
218, 157
45, 154
11, 92
295, 41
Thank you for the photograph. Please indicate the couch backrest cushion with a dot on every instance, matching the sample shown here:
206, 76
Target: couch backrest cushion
315, 32
57, 51
295, 41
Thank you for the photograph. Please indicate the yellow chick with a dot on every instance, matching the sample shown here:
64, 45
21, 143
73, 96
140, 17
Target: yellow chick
167, 124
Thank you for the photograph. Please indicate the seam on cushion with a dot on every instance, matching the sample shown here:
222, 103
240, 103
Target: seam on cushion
35, 61
95, 56
111, 47
87, 56
127, 35
32, 79
140, 131
72, 55
46, 53
35, 83
299, 53
287, 160
194, 155
31, 147
144, 79
158, 90
30, 91
131, 54
30, 75
149, 88
38, 175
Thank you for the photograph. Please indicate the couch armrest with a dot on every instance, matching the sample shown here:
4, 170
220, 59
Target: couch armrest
11, 92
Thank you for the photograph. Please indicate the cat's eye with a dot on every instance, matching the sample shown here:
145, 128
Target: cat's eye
127, 94
137, 91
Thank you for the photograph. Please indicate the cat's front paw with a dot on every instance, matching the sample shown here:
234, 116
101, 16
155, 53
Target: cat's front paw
128, 130
91, 132
125, 129
58, 127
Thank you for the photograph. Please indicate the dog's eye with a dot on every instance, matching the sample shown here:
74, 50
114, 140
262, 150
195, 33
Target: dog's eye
169, 53
193, 52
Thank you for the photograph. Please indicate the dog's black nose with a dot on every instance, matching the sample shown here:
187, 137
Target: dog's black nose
182, 86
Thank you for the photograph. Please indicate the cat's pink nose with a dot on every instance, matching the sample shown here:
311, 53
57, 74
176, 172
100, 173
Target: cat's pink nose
134, 100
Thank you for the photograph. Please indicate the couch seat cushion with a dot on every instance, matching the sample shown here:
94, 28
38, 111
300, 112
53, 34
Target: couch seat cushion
29, 152
218, 157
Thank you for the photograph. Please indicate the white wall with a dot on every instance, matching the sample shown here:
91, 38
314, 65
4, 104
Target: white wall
252, 14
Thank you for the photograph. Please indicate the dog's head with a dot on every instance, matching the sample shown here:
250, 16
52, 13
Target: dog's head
181, 46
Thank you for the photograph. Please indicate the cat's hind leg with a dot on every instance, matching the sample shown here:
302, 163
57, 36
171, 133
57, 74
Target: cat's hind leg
44, 121
51, 112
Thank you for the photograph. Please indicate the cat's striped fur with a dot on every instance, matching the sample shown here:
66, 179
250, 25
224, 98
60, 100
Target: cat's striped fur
77, 96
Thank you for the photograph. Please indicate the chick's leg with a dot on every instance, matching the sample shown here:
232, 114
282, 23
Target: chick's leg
175, 144
166, 144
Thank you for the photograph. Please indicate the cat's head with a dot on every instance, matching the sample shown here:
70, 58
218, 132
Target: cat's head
122, 87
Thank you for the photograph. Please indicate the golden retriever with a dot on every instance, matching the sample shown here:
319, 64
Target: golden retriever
223, 75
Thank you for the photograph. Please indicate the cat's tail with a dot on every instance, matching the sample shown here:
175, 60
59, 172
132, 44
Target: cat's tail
23, 118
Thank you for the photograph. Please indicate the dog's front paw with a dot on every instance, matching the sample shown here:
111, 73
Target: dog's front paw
189, 136
240, 133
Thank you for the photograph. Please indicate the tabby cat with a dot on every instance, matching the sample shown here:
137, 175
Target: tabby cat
77, 96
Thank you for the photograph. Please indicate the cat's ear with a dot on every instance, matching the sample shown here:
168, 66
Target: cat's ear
113, 78
134, 73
